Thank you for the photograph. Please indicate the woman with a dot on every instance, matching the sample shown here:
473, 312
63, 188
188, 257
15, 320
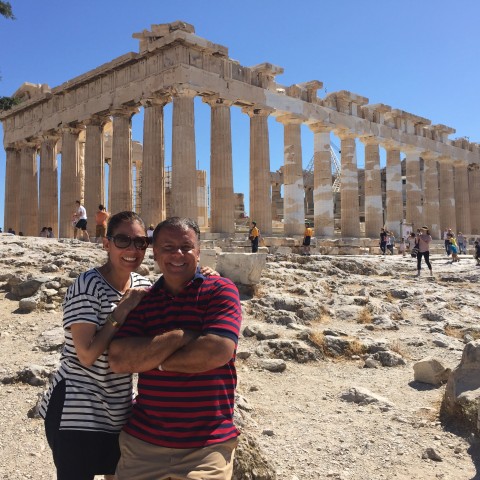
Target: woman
87, 404
423, 240
454, 248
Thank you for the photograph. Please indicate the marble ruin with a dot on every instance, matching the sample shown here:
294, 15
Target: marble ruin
88, 119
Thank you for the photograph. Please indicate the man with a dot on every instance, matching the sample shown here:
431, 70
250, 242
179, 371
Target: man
307, 237
447, 234
81, 219
181, 339
383, 241
253, 236
101, 218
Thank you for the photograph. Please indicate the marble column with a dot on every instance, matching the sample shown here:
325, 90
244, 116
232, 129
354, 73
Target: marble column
12, 189
222, 208
394, 194
183, 199
260, 197
153, 164
462, 198
431, 201
474, 188
48, 198
413, 188
28, 218
350, 214
373, 188
322, 182
69, 180
447, 195
94, 169
121, 166
293, 188
137, 194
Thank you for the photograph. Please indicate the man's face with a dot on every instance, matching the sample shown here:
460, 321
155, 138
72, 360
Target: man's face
177, 253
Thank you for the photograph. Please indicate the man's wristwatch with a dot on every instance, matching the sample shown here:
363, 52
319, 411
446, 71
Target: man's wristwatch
112, 320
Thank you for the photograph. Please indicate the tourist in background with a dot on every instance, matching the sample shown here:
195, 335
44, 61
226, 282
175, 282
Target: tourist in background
44, 232
477, 252
390, 242
446, 239
101, 218
423, 240
454, 248
462, 243
80, 217
150, 230
383, 240
253, 236
50, 233
402, 248
307, 238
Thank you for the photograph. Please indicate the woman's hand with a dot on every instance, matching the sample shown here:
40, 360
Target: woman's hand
129, 301
208, 271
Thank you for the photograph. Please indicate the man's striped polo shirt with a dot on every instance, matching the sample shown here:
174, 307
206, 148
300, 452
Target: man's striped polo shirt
179, 410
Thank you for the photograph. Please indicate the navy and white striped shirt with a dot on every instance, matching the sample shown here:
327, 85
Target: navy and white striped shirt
96, 399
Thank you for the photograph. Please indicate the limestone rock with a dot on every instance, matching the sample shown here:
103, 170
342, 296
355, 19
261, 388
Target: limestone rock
273, 365
462, 394
243, 268
250, 463
363, 396
430, 370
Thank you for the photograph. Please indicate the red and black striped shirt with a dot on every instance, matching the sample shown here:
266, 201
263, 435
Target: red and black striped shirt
179, 410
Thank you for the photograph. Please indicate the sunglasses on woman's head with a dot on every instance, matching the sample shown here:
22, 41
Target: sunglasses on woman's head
124, 241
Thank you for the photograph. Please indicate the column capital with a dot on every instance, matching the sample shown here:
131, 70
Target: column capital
369, 140
182, 91
156, 100
97, 120
411, 150
344, 134
320, 127
391, 145
124, 111
429, 155
459, 163
257, 111
445, 159
217, 101
290, 119
73, 129
29, 143
51, 137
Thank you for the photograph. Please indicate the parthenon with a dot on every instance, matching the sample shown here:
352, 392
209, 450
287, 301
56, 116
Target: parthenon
173, 64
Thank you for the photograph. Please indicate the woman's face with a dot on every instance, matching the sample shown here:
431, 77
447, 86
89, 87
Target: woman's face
125, 259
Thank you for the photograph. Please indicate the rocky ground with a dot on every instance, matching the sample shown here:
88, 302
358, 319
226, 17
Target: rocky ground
326, 379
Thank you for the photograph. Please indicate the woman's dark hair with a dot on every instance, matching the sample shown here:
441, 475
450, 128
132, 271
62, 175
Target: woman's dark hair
101, 207
119, 218
177, 222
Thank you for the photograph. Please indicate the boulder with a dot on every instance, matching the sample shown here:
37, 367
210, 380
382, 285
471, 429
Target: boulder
249, 462
461, 400
243, 268
430, 370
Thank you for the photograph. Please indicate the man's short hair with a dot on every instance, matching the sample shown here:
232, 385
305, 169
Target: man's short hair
177, 222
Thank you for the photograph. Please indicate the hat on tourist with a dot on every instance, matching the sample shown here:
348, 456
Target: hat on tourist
424, 227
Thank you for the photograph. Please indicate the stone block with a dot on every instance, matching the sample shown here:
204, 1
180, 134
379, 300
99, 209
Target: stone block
430, 370
244, 268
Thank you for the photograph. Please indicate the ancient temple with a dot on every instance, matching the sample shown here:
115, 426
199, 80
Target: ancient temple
173, 64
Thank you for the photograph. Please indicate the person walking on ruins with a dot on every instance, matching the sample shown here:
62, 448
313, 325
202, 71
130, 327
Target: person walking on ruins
454, 248
423, 240
446, 239
390, 242
462, 243
101, 218
402, 247
383, 241
253, 236
81, 221
307, 238
181, 339
477, 252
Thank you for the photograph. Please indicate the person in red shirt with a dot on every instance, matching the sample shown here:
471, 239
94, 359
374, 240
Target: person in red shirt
182, 340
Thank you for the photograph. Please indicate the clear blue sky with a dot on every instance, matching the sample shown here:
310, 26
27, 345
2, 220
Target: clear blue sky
418, 56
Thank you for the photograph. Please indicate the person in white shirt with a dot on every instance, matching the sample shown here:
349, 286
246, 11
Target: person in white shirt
81, 219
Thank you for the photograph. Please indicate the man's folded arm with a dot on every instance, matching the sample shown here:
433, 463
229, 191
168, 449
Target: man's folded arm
205, 353
139, 354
